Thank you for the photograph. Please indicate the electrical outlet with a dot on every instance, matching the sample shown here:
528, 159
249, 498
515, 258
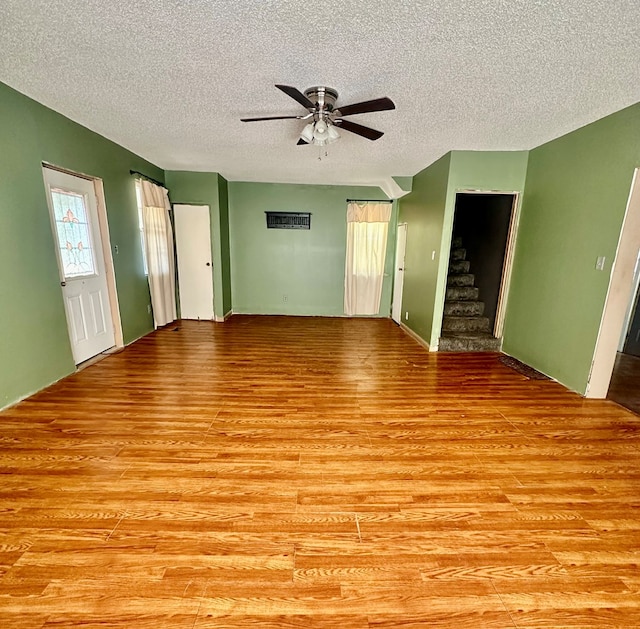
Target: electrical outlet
600, 263
406, 316
285, 298
115, 247
149, 308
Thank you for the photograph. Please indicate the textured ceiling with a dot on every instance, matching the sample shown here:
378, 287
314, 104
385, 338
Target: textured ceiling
170, 79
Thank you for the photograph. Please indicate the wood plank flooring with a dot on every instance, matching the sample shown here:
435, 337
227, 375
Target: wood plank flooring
315, 473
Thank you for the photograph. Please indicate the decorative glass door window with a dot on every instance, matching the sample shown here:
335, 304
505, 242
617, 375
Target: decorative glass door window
74, 233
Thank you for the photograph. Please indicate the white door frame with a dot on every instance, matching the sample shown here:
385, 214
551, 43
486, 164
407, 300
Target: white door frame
103, 228
398, 278
507, 267
618, 295
108, 262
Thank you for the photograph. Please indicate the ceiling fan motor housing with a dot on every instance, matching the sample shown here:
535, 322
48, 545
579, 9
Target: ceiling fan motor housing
324, 98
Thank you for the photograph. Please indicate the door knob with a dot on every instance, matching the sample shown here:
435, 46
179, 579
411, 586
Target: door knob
208, 263
63, 283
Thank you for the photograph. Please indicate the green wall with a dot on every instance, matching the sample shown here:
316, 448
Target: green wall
35, 349
195, 188
429, 212
572, 212
296, 272
423, 210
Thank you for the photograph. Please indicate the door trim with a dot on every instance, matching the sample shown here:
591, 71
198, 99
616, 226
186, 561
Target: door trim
619, 293
507, 267
103, 228
107, 252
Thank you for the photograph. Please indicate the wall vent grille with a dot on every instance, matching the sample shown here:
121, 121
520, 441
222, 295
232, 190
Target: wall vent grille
288, 220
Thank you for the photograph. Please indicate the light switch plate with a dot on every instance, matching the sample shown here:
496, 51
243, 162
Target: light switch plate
600, 263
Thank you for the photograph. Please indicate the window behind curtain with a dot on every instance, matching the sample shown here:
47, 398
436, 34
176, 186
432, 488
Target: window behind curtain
367, 228
141, 225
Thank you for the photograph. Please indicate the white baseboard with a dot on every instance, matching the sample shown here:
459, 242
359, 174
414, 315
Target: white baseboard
219, 319
414, 335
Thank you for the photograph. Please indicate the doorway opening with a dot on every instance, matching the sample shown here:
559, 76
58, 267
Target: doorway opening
479, 270
630, 344
618, 316
625, 380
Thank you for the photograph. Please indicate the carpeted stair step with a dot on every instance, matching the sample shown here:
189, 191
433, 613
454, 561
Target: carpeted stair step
464, 329
462, 293
464, 308
458, 254
459, 266
461, 279
465, 324
468, 342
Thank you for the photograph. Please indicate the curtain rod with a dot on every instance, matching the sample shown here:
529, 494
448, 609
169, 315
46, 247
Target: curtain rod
368, 201
151, 179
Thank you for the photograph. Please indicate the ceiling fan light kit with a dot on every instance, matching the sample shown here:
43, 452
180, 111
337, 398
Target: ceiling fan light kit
325, 118
319, 133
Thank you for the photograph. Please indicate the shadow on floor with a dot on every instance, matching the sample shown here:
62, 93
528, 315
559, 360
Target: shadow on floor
625, 382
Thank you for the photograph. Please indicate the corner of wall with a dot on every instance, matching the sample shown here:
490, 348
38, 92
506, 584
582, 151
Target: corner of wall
416, 337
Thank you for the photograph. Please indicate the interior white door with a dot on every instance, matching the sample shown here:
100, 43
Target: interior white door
396, 308
74, 219
193, 251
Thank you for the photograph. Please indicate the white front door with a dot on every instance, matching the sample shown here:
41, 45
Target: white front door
396, 308
193, 251
74, 219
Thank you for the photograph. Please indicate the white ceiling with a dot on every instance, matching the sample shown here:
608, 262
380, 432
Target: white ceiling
170, 79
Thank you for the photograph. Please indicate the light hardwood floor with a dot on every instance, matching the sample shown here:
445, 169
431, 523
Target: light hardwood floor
304, 473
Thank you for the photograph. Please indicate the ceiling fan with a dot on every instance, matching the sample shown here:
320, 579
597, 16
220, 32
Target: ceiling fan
325, 118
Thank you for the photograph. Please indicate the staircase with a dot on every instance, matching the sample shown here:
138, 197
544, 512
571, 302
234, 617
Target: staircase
464, 329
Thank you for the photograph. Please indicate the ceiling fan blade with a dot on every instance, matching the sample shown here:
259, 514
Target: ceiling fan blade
365, 132
270, 118
378, 104
296, 95
300, 142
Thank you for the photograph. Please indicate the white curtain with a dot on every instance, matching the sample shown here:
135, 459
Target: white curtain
367, 228
158, 240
